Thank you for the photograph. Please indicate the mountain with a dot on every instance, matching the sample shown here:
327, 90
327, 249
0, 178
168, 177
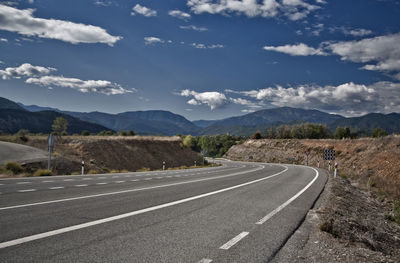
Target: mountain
35, 108
8, 104
204, 123
367, 123
262, 119
11, 121
152, 122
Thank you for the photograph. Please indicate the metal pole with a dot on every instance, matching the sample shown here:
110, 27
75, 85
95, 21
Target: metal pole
48, 163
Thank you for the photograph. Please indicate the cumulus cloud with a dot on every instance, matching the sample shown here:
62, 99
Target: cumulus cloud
3, 40
204, 46
213, 99
25, 70
152, 40
195, 28
349, 99
24, 23
179, 14
292, 9
98, 86
356, 32
142, 10
297, 50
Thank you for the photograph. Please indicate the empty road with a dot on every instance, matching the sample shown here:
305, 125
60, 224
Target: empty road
238, 212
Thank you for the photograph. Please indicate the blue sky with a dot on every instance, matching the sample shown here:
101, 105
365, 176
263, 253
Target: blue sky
203, 59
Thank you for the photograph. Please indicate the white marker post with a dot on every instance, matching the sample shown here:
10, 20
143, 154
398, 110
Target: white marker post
163, 165
336, 166
318, 163
329, 166
83, 167
50, 141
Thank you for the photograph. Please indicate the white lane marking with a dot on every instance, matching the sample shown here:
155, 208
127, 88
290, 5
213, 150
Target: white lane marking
56, 187
233, 241
127, 176
49, 181
85, 179
115, 177
81, 185
148, 179
282, 206
142, 189
119, 182
133, 213
24, 183
103, 177
101, 183
69, 180
1, 184
158, 178
26, 190
134, 180
205, 260
168, 176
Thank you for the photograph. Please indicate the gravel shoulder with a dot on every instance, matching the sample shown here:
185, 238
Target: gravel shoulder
345, 225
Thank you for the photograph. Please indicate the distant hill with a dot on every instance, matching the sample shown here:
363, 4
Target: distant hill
152, 122
367, 123
35, 108
204, 123
11, 121
8, 104
260, 120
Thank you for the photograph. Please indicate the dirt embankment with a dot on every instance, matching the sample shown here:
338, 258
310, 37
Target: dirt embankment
352, 223
103, 154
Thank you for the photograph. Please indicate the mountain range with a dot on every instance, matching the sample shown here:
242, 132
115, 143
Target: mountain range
15, 116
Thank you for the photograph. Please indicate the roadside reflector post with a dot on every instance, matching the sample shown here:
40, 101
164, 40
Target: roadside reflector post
83, 167
163, 165
195, 163
336, 166
318, 163
307, 154
50, 142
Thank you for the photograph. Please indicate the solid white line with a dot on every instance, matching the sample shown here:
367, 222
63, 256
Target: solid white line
56, 187
81, 185
205, 260
139, 189
233, 241
24, 183
137, 212
282, 206
26, 190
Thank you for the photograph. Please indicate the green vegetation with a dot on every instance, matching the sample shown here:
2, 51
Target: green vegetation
93, 172
143, 169
395, 217
378, 132
85, 133
43, 172
215, 146
297, 131
22, 135
14, 167
59, 126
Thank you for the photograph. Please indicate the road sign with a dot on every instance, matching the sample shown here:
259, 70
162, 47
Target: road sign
50, 142
204, 152
329, 154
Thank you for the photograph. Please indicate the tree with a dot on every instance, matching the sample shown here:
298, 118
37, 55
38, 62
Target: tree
22, 135
188, 141
85, 133
256, 136
342, 132
59, 126
271, 132
378, 132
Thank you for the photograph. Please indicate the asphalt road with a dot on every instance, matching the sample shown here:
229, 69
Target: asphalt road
20, 153
238, 212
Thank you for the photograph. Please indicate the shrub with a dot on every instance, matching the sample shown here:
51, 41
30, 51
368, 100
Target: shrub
22, 135
93, 172
85, 133
43, 172
75, 173
114, 171
143, 169
14, 167
124, 171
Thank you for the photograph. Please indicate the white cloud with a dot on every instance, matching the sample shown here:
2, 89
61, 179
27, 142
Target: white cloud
3, 40
356, 32
195, 28
381, 53
103, 3
152, 40
213, 99
142, 10
25, 70
24, 23
348, 99
179, 14
297, 50
31, 1
97, 86
199, 45
293, 9
204, 46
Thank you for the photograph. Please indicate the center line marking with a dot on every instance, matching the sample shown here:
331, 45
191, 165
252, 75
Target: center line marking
47, 181
68, 180
205, 260
56, 187
233, 241
24, 183
26, 190
144, 188
81, 185
101, 183
119, 182
134, 180
137, 212
148, 179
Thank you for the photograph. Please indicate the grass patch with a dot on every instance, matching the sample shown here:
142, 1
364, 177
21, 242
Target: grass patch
14, 167
93, 172
43, 172
75, 173
143, 169
395, 216
114, 171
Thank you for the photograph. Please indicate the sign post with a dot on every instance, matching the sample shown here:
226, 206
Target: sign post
307, 154
50, 142
163, 165
329, 155
203, 153
336, 166
83, 167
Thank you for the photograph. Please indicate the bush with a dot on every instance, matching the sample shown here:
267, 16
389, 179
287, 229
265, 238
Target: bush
114, 171
93, 172
14, 167
22, 135
43, 172
75, 173
85, 133
124, 171
143, 169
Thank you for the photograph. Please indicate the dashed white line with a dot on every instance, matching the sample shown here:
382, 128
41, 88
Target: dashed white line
103, 177
49, 181
148, 179
134, 180
26, 190
85, 179
101, 183
205, 260
24, 183
234, 240
56, 187
158, 177
68, 180
81, 185
119, 182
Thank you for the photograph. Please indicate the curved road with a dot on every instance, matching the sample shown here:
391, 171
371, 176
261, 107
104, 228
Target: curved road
20, 153
238, 212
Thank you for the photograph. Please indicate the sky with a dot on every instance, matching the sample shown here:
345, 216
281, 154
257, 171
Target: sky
203, 59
